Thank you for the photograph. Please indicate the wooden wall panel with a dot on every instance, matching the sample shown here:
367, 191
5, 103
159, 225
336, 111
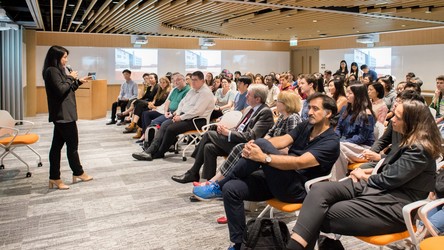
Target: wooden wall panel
30, 93
109, 40
419, 37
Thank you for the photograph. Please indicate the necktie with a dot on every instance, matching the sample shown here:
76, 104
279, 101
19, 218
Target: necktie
246, 118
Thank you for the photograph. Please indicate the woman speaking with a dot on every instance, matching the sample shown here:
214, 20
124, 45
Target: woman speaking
60, 89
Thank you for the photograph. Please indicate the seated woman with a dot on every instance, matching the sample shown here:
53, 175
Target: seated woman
288, 105
224, 99
159, 99
150, 87
366, 205
376, 94
355, 128
337, 91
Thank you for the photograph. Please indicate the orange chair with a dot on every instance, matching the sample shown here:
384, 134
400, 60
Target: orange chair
12, 137
290, 207
385, 239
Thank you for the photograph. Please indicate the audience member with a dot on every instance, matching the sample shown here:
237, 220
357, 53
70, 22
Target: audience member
273, 91
400, 87
209, 79
416, 80
367, 71
240, 100
375, 201
389, 92
288, 106
376, 94
307, 86
437, 101
286, 81
157, 103
224, 99
198, 103
161, 114
389, 141
354, 70
253, 125
408, 76
259, 79
128, 91
264, 172
337, 91
355, 128
343, 69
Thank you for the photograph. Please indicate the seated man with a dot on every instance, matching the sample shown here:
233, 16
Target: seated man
256, 122
198, 103
128, 91
314, 149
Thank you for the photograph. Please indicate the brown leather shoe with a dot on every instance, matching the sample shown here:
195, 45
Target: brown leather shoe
138, 133
131, 127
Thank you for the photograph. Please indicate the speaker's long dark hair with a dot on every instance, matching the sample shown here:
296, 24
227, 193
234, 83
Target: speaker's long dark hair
53, 58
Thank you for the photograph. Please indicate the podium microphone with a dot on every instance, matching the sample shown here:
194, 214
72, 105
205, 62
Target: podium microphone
68, 67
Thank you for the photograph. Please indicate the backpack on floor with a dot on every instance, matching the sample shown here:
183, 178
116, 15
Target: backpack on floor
150, 132
265, 233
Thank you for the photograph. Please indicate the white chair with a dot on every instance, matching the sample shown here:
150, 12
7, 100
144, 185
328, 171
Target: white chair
433, 111
229, 120
11, 137
379, 130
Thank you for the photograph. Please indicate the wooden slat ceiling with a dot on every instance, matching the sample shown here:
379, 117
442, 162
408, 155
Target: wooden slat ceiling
273, 20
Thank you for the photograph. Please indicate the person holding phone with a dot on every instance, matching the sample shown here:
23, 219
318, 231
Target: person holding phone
60, 90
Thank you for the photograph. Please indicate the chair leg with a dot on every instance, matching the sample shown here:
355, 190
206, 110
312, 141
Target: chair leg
35, 152
186, 147
3, 155
20, 159
264, 211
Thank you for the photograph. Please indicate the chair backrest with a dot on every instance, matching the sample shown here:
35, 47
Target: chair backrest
6, 120
424, 213
433, 111
230, 119
379, 130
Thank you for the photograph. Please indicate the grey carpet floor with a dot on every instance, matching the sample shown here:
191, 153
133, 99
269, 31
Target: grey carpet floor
129, 205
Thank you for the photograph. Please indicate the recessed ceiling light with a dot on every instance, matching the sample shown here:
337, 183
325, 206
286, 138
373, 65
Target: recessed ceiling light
289, 28
71, 5
323, 35
357, 31
68, 15
315, 21
367, 22
77, 22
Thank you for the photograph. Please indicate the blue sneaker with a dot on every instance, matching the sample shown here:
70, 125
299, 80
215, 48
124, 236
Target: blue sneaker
208, 192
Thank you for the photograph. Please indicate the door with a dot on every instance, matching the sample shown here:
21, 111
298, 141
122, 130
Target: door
305, 61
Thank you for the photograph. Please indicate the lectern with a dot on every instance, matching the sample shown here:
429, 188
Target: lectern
91, 99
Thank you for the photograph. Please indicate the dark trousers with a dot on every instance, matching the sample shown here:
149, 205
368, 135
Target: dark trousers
210, 147
337, 207
139, 107
147, 117
122, 105
244, 182
64, 133
166, 136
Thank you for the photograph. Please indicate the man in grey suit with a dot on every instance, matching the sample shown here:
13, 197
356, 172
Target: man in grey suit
256, 122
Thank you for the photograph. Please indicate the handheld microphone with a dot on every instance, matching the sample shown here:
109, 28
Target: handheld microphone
68, 67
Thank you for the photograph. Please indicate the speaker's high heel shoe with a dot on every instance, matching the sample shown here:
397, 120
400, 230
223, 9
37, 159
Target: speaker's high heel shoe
58, 183
83, 177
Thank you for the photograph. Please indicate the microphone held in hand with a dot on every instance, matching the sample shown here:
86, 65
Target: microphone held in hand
68, 67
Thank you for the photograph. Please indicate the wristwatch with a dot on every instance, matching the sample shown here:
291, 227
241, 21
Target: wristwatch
267, 158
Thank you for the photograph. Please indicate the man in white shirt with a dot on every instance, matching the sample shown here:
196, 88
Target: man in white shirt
198, 103
273, 91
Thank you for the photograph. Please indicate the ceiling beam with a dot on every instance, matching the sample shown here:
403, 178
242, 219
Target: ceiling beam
34, 9
74, 14
91, 5
63, 15
330, 11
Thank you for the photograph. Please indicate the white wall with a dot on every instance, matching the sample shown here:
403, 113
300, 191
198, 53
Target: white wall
101, 61
424, 60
